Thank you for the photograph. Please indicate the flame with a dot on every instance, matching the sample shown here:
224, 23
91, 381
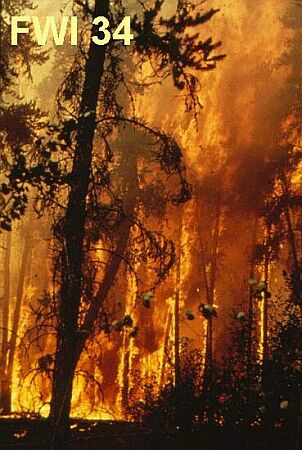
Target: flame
236, 134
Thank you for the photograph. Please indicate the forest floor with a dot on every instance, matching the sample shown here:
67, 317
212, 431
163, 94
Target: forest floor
26, 434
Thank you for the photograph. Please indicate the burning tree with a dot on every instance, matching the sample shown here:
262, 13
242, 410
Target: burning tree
19, 123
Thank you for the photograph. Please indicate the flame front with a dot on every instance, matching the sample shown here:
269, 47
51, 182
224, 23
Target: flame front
244, 119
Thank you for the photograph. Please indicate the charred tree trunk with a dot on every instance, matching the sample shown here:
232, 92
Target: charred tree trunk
291, 236
176, 310
11, 344
5, 402
211, 288
216, 233
265, 300
291, 240
24, 270
125, 380
68, 338
210, 282
251, 306
167, 348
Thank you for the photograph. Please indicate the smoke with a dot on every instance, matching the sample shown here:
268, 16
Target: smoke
234, 152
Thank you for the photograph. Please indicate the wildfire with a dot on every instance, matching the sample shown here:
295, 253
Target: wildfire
224, 151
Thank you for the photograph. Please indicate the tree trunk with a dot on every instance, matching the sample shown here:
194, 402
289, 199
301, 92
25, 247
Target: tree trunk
68, 347
251, 309
177, 370
211, 287
210, 283
5, 397
216, 234
166, 350
125, 376
24, 270
265, 302
11, 345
